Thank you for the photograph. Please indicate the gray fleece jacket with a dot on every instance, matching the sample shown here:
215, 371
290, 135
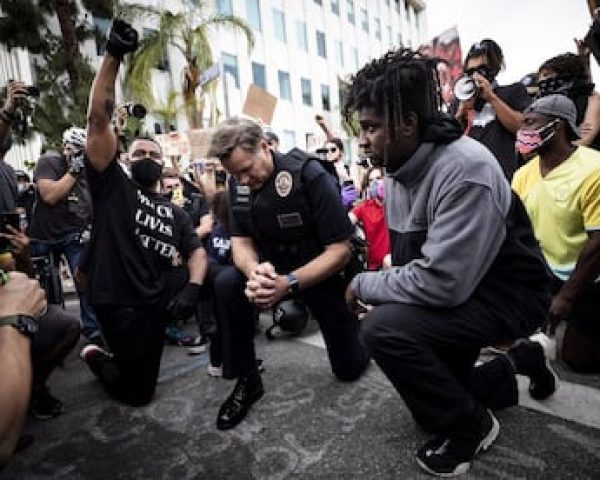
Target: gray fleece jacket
446, 210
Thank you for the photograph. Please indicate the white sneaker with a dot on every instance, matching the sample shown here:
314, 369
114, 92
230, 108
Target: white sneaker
93, 349
214, 371
547, 343
196, 350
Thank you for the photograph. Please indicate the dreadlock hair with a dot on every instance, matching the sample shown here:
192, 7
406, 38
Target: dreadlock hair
566, 65
400, 82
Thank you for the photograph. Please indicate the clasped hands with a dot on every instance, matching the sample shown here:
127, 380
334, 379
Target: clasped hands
265, 287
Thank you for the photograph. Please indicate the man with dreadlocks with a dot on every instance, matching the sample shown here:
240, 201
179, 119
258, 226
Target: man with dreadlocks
467, 269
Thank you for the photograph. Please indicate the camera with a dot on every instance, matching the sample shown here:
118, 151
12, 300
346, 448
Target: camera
136, 110
220, 177
32, 91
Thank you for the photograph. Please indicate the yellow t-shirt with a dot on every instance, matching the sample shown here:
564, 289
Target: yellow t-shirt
562, 206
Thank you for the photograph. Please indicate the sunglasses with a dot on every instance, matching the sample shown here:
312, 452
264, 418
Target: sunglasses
332, 149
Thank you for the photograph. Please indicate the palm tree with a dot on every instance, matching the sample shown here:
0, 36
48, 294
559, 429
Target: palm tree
168, 110
187, 32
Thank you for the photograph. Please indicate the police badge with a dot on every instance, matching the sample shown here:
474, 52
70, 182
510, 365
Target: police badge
283, 183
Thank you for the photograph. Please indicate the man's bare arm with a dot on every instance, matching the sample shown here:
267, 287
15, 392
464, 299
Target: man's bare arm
101, 139
244, 254
53, 191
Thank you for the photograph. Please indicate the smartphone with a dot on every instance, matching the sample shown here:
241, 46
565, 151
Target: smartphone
8, 218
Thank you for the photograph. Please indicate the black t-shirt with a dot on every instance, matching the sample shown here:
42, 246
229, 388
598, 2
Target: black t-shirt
195, 203
329, 218
137, 238
489, 131
8, 187
71, 214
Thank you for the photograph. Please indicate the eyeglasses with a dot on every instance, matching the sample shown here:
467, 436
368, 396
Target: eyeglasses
332, 149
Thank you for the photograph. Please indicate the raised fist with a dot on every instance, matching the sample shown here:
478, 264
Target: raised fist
121, 38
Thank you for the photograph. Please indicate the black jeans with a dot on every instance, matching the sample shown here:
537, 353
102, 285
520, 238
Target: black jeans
135, 336
429, 356
348, 357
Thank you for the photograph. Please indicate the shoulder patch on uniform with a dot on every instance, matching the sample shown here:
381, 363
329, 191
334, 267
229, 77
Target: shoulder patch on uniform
283, 183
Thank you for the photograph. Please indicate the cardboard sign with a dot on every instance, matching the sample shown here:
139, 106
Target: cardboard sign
259, 104
200, 139
173, 144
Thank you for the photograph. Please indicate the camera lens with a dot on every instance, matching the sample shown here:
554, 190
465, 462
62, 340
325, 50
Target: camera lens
138, 111
33, 91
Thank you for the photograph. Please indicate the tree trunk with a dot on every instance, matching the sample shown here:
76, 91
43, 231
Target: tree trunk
192, 74
67, 29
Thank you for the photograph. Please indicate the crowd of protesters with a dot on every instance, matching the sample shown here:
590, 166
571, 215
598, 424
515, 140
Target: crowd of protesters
450, 258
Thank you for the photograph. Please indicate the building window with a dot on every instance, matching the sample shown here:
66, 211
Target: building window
339, 52
350, 8
365, 19
230, 66
285, 91
389, 35
355, 58
306, 91
253, 14
321, 46
279, 25
224, 7
259, 75
100, 28
377, 28
335, 7
325, 98
288, 140
301, 38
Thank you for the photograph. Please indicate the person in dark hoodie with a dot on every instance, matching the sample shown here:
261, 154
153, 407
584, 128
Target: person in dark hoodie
467, 270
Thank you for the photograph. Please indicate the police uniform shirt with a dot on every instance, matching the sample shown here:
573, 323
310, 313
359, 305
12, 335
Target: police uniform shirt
327, 220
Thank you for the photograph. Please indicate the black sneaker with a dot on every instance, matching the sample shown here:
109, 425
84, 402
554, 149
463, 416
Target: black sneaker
452, 455
44, 406
246, 392
529, 359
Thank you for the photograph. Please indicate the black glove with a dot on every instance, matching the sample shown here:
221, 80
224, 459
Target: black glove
184, 304
77, 163
121, 38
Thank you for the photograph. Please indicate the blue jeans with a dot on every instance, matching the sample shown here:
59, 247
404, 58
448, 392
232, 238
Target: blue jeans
70, 246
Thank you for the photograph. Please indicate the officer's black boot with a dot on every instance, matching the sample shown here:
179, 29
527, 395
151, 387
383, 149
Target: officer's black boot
247, 390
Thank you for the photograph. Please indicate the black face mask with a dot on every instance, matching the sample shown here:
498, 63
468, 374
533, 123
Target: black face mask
146, 172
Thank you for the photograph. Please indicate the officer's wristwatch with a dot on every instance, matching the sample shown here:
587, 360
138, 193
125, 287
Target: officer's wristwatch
25, 324
293, 285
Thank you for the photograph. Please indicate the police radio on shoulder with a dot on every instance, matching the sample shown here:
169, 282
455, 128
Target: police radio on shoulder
293, 285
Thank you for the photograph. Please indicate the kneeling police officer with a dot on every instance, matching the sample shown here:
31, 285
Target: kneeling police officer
290, 237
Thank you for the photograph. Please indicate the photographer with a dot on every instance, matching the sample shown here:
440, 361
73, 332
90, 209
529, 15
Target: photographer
20, 297
57, 335
62, 213
492, 115
138, 236
15, 91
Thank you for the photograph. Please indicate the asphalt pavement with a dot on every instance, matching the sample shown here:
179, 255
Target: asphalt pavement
307, 426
